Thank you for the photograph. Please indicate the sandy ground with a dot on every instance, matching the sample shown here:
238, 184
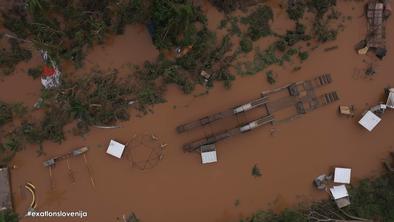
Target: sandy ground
179, 188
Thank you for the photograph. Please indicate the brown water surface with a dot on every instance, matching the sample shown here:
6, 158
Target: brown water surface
179, 188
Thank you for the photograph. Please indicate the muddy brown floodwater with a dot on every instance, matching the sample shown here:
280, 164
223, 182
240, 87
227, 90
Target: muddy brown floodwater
179, 188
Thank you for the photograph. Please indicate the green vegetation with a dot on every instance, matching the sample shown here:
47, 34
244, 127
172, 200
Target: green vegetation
5, 113
8, 216
320, 8
258, 22
11, 56
296, 9
303, 56
371, 199
256, 171
246, 44
175, 23
35, 72
270, 77
83, 24
228, 6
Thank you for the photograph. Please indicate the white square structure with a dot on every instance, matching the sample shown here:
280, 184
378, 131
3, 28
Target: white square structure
339, 192
369, 121
115, 149
342, 175
208, 154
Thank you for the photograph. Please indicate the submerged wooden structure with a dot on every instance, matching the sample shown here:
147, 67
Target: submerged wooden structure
299, 95
375, 24
5, 190
74, 153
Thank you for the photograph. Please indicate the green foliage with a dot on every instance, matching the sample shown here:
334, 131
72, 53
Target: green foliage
374, 199
256, 171
270, 77
234, 28
5, 113
83, 24
8, 216
322, 31
246, 44
303, 56
295, 9
12, 142
175, 23
35, 72
321, 6
258, 22
286, 216
12, 55
371, 199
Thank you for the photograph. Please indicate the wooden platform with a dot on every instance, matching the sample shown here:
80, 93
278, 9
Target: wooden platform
5, 190
300, 95
375, 28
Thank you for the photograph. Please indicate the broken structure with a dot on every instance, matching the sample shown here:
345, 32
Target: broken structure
5, 190
376, 12
51, 162
296, 98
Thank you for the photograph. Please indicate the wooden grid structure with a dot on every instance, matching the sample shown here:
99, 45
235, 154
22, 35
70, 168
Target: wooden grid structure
375, 29
300, 95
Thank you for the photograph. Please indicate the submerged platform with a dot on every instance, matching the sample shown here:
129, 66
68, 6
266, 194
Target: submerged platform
5, 190
299, 95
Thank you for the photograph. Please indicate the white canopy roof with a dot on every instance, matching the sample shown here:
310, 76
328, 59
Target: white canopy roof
209, 157
115, 149
342, 175
369, 121
339, 192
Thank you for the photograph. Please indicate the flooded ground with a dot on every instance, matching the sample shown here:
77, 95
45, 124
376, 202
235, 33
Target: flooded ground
179, 188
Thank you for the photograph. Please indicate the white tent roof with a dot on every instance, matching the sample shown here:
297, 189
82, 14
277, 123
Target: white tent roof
209, 157
339, 192
115, 149
369, 121
342, 175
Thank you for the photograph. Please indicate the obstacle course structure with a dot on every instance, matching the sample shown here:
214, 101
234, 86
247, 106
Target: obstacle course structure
300, 95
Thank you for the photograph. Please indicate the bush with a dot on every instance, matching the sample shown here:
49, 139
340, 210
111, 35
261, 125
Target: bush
270, 77
303, 56
246, 44
258, 22
8, 216
295, 10
34, 72
5, 113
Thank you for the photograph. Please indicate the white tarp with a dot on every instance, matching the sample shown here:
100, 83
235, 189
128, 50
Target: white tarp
342, 175
209, 157
369, 121
115, 149
339, 192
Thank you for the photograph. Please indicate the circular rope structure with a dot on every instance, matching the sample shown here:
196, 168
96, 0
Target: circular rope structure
145, 151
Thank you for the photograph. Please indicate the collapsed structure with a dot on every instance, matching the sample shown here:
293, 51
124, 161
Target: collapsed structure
377, 11
300, 96
372, 117
5, 190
